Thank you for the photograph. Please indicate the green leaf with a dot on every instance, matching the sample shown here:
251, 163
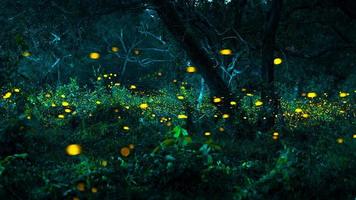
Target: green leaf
176, 131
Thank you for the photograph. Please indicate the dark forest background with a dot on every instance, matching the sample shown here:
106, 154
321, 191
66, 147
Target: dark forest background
177, 99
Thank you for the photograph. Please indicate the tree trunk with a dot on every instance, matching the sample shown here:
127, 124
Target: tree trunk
269, 95
186, 35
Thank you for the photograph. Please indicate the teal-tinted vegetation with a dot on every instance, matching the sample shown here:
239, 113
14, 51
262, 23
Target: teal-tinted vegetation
163, 99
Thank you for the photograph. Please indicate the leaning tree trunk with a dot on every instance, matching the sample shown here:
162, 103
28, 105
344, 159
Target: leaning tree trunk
187, 37
269, 94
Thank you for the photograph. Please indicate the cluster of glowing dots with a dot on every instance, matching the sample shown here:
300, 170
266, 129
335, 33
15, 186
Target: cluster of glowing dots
343, 94
300, 111
7, 95
275, 135
191, 69
225, 52
81, 187
108, 76
66, 109
73, 149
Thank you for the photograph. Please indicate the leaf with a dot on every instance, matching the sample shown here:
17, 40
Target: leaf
184, 132
176, 131
187, 140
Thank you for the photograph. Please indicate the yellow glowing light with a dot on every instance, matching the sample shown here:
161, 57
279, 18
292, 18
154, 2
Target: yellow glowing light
182, 116
249, 94
131, 146
94, 190
64, 103
99, 78
207, 133
225, 116
126, 128
258, 103
217, 100
275, 137
53, 105
48, 95
191, 69
94, 55
243, 89
180, 97
221, 129
275, 134
28, 117
233, 103
63, 96
225, 52
132, 87
81, 186
143, 106
298, 110
26, 54
60, 116
104, 163
343, 94
125, 151
354, 136
305, 115
7, 95
277, 61
98, 102
17, 90
136, 52
73, 149
67, 110
312, 94
115, 49
340, 140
